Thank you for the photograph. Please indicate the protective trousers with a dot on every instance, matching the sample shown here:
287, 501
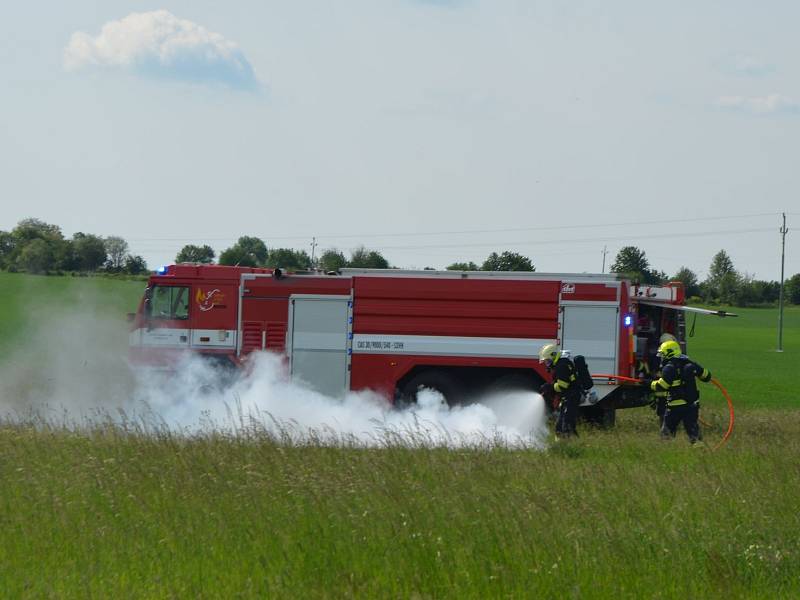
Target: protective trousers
688, 414
567, 416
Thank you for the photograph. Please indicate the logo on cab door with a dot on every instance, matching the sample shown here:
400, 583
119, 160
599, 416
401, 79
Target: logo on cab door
210, 299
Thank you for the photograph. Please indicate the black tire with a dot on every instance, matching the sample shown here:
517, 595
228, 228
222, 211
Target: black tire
514, 382
222, 374
444, 383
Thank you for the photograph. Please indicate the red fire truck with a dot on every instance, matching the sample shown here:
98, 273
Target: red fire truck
462, 333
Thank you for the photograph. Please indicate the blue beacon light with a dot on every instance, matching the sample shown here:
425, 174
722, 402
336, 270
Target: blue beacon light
628, 320
162, 270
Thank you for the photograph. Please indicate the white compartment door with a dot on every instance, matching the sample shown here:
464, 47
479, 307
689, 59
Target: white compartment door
319, 342
591, 330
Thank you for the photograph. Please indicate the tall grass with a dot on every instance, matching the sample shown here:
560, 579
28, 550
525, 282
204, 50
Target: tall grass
130, 508
120, 511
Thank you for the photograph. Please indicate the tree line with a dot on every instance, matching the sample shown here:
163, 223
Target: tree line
724, 284
251, 251
34, 246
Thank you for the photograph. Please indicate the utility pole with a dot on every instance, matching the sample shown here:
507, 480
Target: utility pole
783, 231
313, 252
605, 251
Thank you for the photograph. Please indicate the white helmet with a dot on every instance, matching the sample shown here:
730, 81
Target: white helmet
666, 337
549, 354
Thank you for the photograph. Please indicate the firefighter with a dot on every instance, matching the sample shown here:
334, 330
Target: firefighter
648, 369
564, 384
678, 373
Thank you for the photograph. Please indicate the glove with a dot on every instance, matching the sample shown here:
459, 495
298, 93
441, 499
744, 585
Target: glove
645, 381
547, 390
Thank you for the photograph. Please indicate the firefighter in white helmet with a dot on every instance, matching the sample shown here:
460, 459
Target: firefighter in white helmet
564, 384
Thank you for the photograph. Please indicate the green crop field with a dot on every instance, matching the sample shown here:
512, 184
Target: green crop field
113, 511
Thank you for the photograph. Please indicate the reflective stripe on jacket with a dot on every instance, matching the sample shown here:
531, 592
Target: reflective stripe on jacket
678, 380
565, 378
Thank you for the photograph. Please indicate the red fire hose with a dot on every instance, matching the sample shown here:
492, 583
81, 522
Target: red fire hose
725, 393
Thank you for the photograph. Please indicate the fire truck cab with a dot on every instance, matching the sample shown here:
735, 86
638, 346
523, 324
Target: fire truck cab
463, 333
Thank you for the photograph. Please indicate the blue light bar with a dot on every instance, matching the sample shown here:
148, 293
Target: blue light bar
628, 320
162, 270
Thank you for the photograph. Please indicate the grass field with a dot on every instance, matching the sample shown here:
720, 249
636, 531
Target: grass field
25, 299
111, 512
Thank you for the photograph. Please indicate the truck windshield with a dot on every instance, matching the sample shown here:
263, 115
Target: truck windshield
170, 302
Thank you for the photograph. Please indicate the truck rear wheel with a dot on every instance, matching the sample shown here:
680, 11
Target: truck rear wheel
514, 382
444, 383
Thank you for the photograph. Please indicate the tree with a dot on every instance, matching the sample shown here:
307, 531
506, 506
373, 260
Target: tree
332, 260
791, 289
195, 254
26, 232
632, 262
116, 248
462, 266
90, 251
723, 281
286, 258
507, 261
764, 292
36, 256
235, 255
253, 247
361, 258
135, 265
35, 229
247, 251
6, 249
721, 265
689, 280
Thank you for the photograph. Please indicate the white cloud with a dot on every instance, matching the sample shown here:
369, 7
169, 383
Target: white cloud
772, 104
158, 44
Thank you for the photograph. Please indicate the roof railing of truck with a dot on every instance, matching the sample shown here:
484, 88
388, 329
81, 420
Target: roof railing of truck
206, 270
571, 277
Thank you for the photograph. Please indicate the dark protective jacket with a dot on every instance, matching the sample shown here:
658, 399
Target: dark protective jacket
678, 380
564, 378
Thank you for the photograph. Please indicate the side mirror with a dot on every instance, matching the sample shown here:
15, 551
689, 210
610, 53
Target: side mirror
148, 293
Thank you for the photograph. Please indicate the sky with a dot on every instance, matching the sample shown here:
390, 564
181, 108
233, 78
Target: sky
433, 131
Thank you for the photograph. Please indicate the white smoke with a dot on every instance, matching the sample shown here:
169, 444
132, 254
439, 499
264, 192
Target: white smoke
70, 368
193, 399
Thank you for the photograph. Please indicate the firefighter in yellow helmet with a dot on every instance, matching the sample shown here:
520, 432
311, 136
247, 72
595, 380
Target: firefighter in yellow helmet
564, 384
648, 370
678, 373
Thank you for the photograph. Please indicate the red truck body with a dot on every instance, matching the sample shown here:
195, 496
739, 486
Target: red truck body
391, 331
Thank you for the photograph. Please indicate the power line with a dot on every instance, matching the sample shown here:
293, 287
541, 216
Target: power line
587, 240
466, 231
582, 240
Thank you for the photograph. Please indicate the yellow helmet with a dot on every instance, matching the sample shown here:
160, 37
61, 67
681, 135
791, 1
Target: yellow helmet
669, 349
667, 337
549, 354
